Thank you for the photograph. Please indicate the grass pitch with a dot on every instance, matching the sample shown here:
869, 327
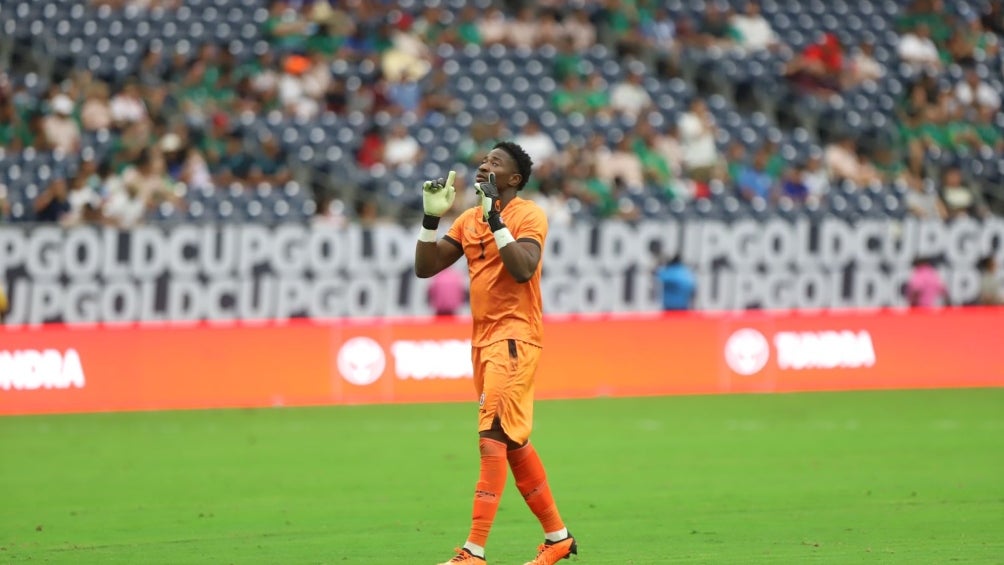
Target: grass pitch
880, 477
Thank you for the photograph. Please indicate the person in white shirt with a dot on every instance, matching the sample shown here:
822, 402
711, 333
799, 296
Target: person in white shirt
754, 30
918, 50
629, 96
973, 92
401, 148
697, 136
537, 144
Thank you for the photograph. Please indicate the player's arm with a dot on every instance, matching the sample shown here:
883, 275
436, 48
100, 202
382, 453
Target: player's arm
519, 257
432, 254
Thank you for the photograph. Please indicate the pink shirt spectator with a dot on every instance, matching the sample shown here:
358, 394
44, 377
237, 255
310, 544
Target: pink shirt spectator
925, 288
447, 292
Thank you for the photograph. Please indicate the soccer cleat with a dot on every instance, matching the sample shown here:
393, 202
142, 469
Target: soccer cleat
465, 557
550, 552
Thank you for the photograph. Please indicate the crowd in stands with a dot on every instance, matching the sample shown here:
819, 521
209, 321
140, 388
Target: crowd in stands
333, 110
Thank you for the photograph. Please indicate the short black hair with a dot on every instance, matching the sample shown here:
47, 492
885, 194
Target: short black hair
524, 164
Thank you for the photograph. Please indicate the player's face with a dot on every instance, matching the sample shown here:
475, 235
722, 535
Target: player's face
502, 164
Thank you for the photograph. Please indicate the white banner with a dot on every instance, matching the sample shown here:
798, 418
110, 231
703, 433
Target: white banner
181, 274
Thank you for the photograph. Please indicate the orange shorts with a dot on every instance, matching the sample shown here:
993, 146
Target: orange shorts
503, 379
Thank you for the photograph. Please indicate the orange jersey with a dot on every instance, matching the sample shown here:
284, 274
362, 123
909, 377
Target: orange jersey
501, 307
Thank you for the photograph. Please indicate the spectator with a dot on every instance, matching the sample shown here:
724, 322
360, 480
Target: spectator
754, 181
84, 197
960, 199
493, 27
630, 97
975, 93
401, 148
623, 163
819, 68
697, 136
715, 29
793, 185
843, 159
925, 287
60, 128
371, 150
539, 145
96, 113
447, 292
578, 27
659, 32
753, 31
53, 203
917, 50
127, 105
678, 284
990, 286
863, 66
815, 177
923, 202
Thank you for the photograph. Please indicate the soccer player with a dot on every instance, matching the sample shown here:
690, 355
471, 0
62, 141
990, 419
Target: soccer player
503, 239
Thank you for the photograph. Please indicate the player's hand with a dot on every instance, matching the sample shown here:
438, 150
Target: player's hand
437, 195
488, 193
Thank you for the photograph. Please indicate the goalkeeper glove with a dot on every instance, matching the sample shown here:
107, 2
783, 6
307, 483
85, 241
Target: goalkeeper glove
491, 203
437, 195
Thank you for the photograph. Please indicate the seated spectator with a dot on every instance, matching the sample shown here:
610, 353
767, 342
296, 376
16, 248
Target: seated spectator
819, 68
568, 59
923, 202
793, 185
845, 163
917, 50
715, 28
753, 31
83, 197
623, 163
401, 148
863, 66
697, 137
816, 177
570, 96
52, 205
539, 145
494, 27
60, 128
127, 105
524, 30
269, 164
975, 93
754, 181
960, 198
630, 97
659, 33
579, 28
96, 113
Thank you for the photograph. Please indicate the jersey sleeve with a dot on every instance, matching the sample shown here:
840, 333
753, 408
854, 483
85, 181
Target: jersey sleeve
456, 231
531, 226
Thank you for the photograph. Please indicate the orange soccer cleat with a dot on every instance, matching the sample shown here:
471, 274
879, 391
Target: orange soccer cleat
550, 552
465, 557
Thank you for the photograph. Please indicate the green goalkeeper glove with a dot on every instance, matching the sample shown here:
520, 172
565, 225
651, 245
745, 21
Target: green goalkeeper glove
491, 203
437, 195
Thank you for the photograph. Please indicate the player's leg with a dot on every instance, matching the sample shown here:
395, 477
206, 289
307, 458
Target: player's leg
527, 468
491, 370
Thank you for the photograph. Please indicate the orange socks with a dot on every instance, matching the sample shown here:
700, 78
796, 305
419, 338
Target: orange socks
489, 489
531, 480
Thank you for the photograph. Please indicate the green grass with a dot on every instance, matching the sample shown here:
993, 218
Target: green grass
882, 477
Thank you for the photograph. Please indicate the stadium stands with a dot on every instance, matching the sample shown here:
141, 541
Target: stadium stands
328, 82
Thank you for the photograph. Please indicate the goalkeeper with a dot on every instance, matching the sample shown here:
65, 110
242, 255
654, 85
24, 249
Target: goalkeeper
502, 239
